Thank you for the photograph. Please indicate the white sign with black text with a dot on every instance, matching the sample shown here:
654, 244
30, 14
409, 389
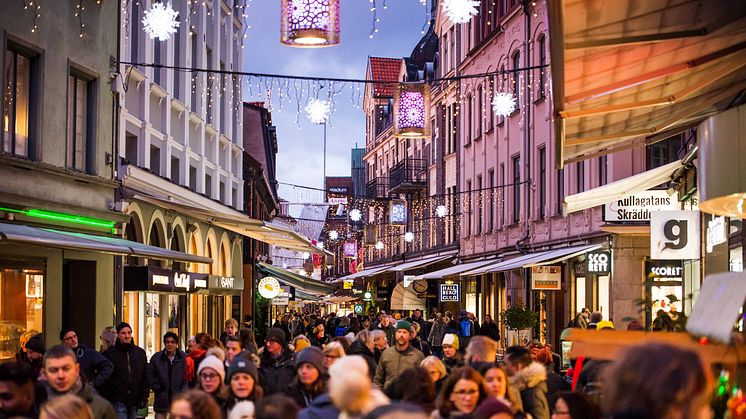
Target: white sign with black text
638, 207
674, 235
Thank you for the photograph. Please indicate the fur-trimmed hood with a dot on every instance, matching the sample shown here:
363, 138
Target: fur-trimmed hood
529, 377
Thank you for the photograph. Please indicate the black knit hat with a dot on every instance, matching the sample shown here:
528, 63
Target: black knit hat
311, 355
122, 325
277, 335
242, 364
65, 330
36, 343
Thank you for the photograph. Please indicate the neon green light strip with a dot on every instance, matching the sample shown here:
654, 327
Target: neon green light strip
61, 216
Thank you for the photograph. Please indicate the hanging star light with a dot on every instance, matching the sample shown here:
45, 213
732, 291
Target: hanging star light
318, 111
441, 211
333, 235
503, 104
355, 215
306, 255
160, 21
379, 245
460, 11
409, 237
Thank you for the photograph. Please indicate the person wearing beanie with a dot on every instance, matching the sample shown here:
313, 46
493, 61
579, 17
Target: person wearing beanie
493, 409
399, 357
211, 378
242, 384
35, 349
311, 379
167, 374
276, 364
451, 357
128, 388
300, 343
95, 367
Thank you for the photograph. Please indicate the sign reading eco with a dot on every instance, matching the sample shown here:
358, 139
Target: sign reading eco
674, 235
269, 287
598, 261
449, 292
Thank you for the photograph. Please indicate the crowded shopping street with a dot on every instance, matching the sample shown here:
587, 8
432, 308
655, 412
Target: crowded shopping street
400, 209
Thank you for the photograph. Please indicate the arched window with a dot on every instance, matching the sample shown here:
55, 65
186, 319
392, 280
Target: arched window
542, 62
516, 78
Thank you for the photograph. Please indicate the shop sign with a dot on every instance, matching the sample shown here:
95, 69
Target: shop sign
338, 189
639, 206
147, 278
225, 284
580, 268
546, 278
337, 200
382, 292
269, 287
348, 284
716, 232
661, 269
398, 212
358, 309
283, 298
674, 235
367, 296
408, 279
598, 262
449, 292
350, 249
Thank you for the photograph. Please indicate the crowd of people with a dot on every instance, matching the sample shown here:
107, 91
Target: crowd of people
313, 366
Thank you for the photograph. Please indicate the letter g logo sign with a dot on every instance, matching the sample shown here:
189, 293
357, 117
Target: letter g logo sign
675, 232
673, 235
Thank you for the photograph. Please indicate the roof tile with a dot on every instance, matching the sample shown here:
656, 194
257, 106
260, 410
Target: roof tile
384, 69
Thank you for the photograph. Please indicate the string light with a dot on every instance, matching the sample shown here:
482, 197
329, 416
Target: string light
160, 22
441, 211
355, 215
460, 11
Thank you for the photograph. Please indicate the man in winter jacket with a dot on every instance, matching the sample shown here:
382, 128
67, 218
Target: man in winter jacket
167, 374
387, 328
530, 378
62, 373
128, 388
397, 358
417, 318
95, 367
277, 363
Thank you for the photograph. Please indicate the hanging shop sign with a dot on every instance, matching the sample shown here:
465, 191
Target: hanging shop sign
359, 286
348, 284
350, 249
662, 269
367, 296
716, 232
674, 235
337, 200
283, 298
546, 278
398, 212
598, 262
358, 309
269, 287
152, 279
383, 293
639, 206
449, 292
224, 285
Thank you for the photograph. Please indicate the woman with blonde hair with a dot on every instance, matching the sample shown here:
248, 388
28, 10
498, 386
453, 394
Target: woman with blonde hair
66, 407
436, 369
332, 352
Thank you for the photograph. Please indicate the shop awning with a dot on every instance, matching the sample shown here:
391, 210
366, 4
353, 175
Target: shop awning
534, 259
455, 270
302, 296
619, 189
22, 234
405, 299
408, 266
628, 74
305, 284
365, 273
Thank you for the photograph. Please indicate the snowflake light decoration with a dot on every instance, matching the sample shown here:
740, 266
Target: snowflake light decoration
379, 245
460, 11
503, 103
160, 21
355, 215
305, 255
333, 235
310, 23
441, 211
411, 102
409, 237
318, 111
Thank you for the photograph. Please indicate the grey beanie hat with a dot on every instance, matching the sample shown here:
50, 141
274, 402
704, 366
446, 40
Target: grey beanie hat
311, 355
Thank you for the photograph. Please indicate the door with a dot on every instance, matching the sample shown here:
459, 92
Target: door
79, 299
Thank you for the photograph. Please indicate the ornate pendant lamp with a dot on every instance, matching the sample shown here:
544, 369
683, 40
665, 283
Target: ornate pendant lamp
310, 23
411, 109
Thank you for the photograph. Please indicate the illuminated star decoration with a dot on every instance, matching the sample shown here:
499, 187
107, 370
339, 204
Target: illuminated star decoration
355, 215
441, 211
409, 237
160, 21
306, 255
503, 104
460, 11
318, 111
379, 245
333, 235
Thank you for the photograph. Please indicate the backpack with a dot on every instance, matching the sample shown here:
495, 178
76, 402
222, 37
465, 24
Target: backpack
466, 328
340, 331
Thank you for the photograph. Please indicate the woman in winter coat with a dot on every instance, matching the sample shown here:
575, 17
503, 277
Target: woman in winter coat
211, 377
462, 392
497, 386
364, 347
197, 354
242, 384
318, 336
435, 339
436, 369
310, 382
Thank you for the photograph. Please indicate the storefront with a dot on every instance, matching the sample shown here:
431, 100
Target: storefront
592, 282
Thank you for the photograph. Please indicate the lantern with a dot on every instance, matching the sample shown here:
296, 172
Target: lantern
411, 106
310, 23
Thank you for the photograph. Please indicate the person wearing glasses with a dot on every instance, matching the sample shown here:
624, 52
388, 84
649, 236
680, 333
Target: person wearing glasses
211, 379
332, 352
94, 365
461, 394
166, 374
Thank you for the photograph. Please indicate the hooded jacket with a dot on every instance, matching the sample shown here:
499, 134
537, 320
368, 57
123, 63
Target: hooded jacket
320, 408
167, 378
100, 407
94, 365
531, 381
358, 348
436, 334
393, 362
129, 382
274, 375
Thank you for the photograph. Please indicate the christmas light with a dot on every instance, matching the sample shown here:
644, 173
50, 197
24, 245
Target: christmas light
160, 21
460, 11
333, 235
411, 105
409, 237
318, 111
379, 245
310, 23
503, 104
306, 255
355, 215
441, 211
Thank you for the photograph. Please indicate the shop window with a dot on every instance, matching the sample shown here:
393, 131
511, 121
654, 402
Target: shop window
78, 296
580, 298
603, 296
18, 315
80, 122
18, 102
516, 189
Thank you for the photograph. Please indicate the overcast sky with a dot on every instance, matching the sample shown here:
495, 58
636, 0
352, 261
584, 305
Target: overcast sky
300, 156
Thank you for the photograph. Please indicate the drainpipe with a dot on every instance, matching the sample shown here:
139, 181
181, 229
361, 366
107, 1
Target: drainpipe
526, 128
118, 260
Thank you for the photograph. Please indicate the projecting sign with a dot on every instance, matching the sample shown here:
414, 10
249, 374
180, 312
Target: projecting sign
662, 269
358, 309
639, 206
674, 235
546, 278
397, 212
348, 284
598, 261
716, 232
269, 287
283, 297
336, 200
449, 292
350, 249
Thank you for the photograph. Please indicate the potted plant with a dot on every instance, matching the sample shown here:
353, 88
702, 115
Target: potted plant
519, 320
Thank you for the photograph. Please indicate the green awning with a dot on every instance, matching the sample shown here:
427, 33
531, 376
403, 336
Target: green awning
305, 284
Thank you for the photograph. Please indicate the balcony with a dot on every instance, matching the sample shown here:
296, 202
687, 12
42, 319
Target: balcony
408, 176
377, 187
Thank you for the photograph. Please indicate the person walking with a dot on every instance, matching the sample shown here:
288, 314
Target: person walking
230, 328
128, 387
365, 347
167, 374
399, 357
451, 356
211, 379
388, 328
311, 379
277, 363
242, 385
435, 337
490, 329
95, 367
530, 379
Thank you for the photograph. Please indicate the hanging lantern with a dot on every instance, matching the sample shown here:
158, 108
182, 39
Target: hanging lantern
333, 235
411, 106
160, 21
379, 245
318, 111
310, 23
355, 215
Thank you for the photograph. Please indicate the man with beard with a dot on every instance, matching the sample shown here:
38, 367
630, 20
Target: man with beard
95, 367
18, 391
399, 357
277, 367
128, 388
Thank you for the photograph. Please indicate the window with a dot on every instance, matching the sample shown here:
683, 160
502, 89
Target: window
208, 186
134, 22
210, 86
480, 208
469, 117
80, 116
516, 78
177, 62
492, 200
155, 160
542, 181
603, 170
454, 127
130, 148
192, 178
433, 141
516, 189
469, 202
174, 169
157, 60
234, 197
222, 192
581, 176
502, 195
20, 86
560, 189
446, 57
452, 57
22, 297
542, 70
195, 75
480, 92
490, 112
664, 152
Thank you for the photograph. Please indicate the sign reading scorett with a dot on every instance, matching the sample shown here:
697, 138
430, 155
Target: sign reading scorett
639, 206
598, 261
663, 269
